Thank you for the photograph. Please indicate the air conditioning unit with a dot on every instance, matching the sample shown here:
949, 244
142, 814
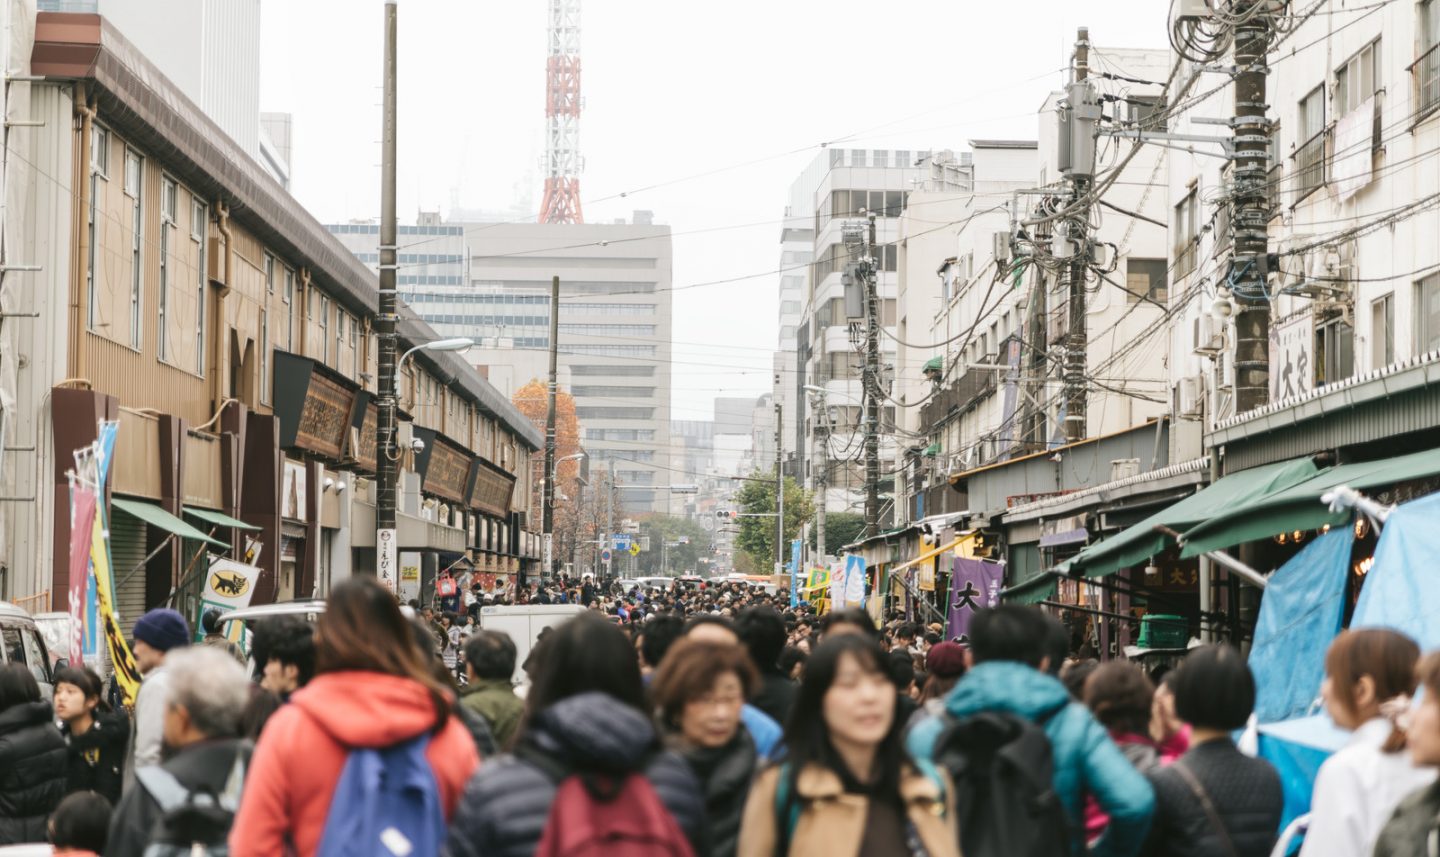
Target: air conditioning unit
1124, 468
1190, 397
1209, 335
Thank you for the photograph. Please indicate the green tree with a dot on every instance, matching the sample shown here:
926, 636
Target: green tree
841, 528
686, 538
757, 535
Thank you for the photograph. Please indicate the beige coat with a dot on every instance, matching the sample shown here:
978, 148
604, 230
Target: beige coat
833, 822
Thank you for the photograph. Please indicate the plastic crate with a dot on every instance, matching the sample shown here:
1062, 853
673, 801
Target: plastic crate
1162, 631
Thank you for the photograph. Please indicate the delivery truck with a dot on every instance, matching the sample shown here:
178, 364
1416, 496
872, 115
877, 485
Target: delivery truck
524, 623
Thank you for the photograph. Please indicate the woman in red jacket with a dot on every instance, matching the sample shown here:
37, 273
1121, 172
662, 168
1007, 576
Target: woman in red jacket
372, 689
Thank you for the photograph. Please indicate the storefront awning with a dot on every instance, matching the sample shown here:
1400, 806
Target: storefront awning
1299, 507
219, 519
1236, 491
1042, 587
158, 517
933, 552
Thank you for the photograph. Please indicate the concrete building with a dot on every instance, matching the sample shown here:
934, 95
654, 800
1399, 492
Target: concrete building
842, 184
180, 292
615, 328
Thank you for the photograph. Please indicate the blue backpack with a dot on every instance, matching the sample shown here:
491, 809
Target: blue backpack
386, 804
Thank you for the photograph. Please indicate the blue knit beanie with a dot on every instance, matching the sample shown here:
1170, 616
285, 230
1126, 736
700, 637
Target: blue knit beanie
163, 629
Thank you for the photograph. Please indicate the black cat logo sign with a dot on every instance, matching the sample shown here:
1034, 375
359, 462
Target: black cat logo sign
229, 583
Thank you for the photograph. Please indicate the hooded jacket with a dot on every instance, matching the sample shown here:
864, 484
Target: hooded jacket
32, 771
96, 760
1086, 760
506, 804
304, 747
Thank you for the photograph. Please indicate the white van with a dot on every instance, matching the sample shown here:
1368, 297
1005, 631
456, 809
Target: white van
524, 622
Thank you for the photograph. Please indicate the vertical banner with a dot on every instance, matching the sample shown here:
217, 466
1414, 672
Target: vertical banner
82, 522
385, 557
837, 585
974, 585
854, 580
410, 576
795, 573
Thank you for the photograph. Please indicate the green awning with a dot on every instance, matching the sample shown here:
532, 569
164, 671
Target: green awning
1039, 588
934, 364
932, 450
219, 519
1141, 541
158, 517
1299, 507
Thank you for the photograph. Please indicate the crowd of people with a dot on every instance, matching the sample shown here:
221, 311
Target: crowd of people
714, 722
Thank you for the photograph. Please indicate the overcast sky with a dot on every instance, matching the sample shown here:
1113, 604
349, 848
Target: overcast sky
702, 113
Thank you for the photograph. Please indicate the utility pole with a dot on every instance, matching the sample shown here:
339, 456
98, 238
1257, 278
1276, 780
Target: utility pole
871, 384
1081, 117
387, 455
779, 489
548, 569
1250, 206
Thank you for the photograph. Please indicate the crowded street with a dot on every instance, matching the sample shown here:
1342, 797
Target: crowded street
388, 469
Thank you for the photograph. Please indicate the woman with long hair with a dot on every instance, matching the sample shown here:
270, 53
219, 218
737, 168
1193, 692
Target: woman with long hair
846, 787
1369, 679
698, 695
96, 738
1414, 829
372, 689
585, 714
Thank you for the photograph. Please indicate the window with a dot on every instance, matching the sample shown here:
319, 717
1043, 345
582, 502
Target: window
1357, 79
199, 217
133, 173
339, 335
1186, 232
269, 274
1310, 156
354, 348
324, 328
1334, 351
1146, 277
1426, 68
99, 167
100, 151
289, 310
264, 357
1427, 314
887, 312
167, 225
789, 307
605, 413
1382, 332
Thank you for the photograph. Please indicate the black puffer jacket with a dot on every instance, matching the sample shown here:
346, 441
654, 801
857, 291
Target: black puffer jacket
725, 774
1245, 792
32, 771
96, 759
504, 809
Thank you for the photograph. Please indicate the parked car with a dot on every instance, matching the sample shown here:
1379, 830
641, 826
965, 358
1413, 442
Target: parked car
21, 643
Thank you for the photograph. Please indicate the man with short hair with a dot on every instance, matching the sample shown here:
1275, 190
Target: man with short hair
763, 632
1008, 650
157, 633
489, 667
285, 654
207, 696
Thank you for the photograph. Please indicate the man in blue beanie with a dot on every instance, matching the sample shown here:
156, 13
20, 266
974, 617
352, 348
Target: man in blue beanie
156, 634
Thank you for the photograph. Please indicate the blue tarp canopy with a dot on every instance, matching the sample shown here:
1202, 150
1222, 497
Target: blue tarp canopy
1402, 590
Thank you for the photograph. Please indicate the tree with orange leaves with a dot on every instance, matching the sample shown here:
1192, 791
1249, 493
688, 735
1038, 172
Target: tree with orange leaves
533, 401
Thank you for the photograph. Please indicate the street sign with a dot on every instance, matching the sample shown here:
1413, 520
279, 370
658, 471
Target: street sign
634, 549
644, 543
685, 488
605, 556
621, 541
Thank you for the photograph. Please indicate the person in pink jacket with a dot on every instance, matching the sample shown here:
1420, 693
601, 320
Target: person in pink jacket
372, 689
1141, 721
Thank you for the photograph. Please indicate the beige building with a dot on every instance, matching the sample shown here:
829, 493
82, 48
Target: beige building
180, 291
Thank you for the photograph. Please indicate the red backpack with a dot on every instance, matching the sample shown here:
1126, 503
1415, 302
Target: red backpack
605, 816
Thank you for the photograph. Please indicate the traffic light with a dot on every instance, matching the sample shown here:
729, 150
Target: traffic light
724, 514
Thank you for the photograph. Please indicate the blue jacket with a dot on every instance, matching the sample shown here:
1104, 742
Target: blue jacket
764, 731
1086, 760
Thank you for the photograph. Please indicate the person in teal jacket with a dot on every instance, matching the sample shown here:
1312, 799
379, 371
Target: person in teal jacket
1007, 650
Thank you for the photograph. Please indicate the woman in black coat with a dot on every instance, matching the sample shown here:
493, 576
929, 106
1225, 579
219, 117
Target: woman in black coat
32, 758
96, 738
698, 695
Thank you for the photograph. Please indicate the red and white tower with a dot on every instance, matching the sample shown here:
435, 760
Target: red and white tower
562, 113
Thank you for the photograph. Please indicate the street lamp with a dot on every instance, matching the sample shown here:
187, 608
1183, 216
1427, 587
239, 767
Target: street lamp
387, 464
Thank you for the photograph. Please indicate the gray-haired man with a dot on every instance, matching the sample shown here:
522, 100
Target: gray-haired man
208, 692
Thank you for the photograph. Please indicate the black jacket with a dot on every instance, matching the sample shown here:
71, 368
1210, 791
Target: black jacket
725, 775
96, 760
1246, 795
775, 696
32, 771
204, 765
507, 802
